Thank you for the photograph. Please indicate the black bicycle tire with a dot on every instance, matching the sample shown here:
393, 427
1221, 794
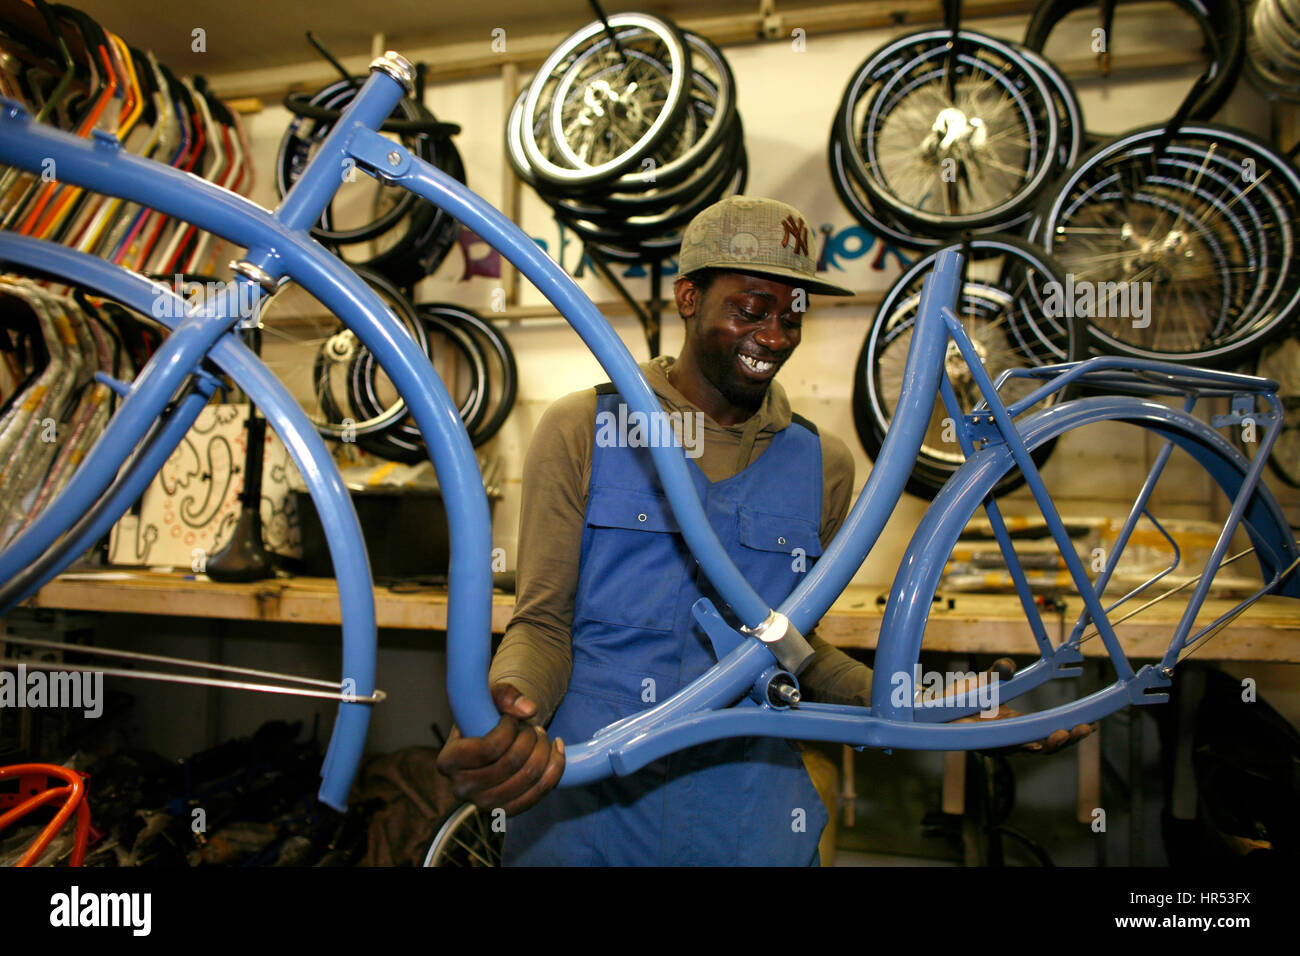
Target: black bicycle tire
547, 170
286, 165
403, 441
1238, 346
410, 320
608, 208
431, 235
1222, 22
683, 166
495, 342
865, 173
871, 421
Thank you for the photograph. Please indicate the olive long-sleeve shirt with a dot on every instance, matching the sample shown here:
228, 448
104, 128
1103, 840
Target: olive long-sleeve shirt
536, 655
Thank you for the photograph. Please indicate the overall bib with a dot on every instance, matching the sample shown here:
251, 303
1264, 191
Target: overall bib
743, 801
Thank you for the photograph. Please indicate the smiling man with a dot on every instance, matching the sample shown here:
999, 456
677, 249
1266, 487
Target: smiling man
603, 627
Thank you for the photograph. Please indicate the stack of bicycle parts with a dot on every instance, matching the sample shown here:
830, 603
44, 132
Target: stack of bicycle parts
52, 345
348, 396
388, 231
627, 130
54, 341
1273, 42
121, 96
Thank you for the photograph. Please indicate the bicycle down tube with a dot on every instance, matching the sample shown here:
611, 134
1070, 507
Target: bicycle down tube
278, 246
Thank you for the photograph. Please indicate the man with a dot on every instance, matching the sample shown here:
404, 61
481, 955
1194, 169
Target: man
602, 626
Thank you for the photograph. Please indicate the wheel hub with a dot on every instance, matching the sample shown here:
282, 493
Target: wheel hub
954, 363
954, 134
1156, 256
341, 347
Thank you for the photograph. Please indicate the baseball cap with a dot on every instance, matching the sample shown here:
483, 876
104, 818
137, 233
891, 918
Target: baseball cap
759, 236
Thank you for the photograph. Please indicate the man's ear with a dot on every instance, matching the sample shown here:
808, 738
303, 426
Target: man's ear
688, 297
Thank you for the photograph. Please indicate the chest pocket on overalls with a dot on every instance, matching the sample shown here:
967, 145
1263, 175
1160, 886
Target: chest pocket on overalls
633, 559
782, 546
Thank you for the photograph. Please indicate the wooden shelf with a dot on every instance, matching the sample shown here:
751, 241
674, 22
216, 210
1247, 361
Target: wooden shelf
975, 624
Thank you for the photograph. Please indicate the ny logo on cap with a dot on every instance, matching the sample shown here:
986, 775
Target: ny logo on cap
796, 228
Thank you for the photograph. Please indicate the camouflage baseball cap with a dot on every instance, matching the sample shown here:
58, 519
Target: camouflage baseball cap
759, 236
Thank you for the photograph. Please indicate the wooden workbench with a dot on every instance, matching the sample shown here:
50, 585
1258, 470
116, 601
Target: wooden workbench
975, 623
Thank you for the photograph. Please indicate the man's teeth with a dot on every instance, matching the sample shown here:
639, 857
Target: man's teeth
756, 365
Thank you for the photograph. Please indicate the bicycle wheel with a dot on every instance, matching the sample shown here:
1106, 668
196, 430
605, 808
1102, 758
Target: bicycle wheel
1220, 23
609, 100
1069, 113
611, 208
705, 123
316, 357
1273, 49
621, 229
299, 144
1200, 225
466, 838
949, 136
464, 370
503, 388
1004, 308
1161, 553
370, 224
856, 201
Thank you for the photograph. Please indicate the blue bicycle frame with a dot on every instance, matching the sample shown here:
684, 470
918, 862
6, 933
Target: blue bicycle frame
167, 395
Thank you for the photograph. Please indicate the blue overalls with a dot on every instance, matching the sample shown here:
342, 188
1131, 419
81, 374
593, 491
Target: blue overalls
744, 801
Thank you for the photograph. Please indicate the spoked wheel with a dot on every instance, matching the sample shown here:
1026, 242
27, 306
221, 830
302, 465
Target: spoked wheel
1006, 308
1180, 247
949, 136
463, 367
467, 839
601, 103
1148, 564
318, 358
371, 224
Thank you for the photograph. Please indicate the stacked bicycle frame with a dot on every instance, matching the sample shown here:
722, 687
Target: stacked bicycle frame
54, 340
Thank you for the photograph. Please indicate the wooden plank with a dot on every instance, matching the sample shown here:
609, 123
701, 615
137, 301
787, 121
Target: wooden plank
296, 600
985, 623
976, 623
476, 58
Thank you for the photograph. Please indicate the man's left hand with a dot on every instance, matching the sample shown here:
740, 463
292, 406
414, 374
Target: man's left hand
1004, 668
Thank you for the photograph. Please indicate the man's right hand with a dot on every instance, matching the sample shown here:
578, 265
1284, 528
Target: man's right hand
513, 766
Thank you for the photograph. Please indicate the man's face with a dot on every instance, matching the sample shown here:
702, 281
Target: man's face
742, 330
